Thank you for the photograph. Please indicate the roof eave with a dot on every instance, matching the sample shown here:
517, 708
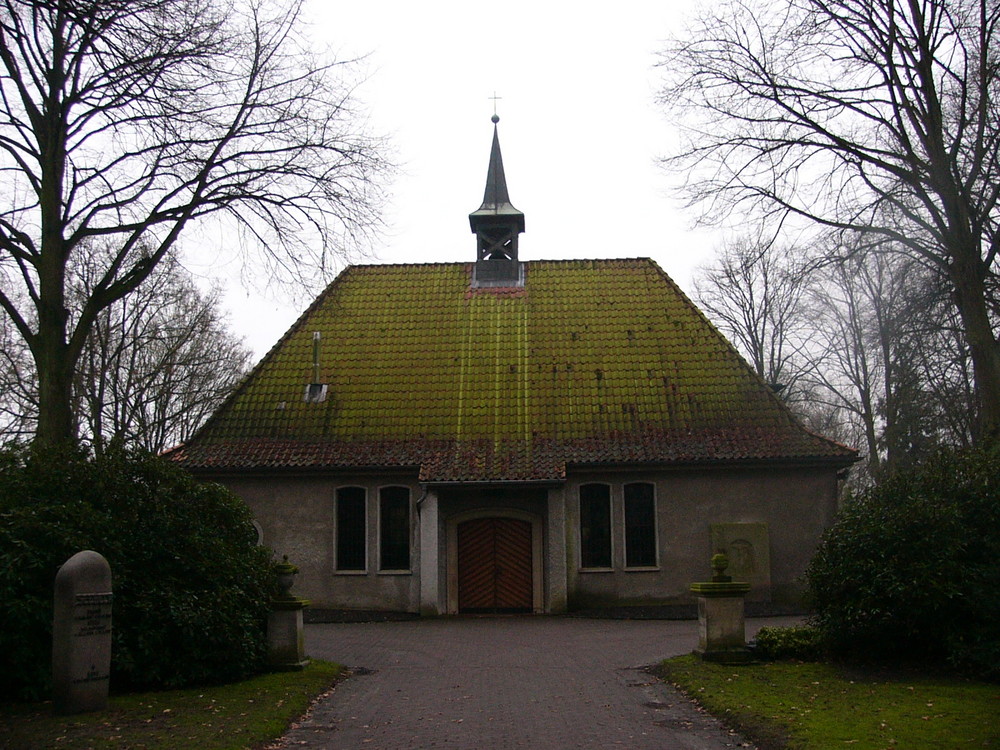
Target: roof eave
757, 462
310, 469
487, 483
501, 214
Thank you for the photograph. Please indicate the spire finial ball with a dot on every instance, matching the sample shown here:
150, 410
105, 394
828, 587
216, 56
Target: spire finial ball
495, 119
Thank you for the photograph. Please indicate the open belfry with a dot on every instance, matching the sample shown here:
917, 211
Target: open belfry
509, 435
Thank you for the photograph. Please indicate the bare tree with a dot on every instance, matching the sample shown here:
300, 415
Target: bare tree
157, 363
933, 370
872, 116
155, 366
18, 394
124, 121
753, 292
867, 343
848, 347
882, 354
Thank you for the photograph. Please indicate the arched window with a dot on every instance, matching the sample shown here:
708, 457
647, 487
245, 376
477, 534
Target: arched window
351, 529
394, 528
595, 526
640, 525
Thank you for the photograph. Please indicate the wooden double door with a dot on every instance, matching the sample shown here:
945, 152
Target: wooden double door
495, 572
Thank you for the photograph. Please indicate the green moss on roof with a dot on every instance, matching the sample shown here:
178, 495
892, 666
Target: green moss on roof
588, 352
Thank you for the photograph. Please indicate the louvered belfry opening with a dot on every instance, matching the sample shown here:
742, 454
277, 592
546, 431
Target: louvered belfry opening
494, 566
497, 224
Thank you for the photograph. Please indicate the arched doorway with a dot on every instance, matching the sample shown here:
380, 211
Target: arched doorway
494, 565
494, 562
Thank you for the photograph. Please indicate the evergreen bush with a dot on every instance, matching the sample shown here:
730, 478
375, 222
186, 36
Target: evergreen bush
802, 642
911, 566
191, 585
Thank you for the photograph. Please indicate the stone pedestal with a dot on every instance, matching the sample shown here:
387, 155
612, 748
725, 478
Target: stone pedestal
285, 636
286, 647
721, 626
81, 634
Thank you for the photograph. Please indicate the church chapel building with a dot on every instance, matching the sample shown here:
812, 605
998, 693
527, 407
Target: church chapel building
517, 436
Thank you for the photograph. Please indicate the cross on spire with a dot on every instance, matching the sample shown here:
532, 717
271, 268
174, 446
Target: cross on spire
495, 98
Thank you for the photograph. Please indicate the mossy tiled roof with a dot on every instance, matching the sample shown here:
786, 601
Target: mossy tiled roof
591, 362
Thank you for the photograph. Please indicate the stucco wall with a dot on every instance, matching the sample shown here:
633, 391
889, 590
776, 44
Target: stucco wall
797, 504
297, 518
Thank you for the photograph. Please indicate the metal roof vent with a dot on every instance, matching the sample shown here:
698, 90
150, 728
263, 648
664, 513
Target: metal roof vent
315, 391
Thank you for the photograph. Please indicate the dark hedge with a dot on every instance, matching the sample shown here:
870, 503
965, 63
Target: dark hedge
191, 585
912, 567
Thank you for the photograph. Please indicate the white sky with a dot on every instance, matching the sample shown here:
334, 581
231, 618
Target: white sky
579, 130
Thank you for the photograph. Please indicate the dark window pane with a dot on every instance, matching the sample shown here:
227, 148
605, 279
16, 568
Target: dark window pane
595, 526
394, 528
640, 526
350, 528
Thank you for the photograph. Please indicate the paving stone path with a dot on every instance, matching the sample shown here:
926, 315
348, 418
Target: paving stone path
506, 682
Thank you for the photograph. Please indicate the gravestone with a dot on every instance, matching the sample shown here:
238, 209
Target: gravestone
81, 634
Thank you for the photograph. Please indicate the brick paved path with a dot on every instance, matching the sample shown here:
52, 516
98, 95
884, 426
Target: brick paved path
497, 683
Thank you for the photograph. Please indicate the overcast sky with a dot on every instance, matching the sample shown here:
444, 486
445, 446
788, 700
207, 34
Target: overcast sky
579, 130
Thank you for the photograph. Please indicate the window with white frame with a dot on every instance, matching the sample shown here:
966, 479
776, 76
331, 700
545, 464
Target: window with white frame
640, 525
595, 526
351, 529
394, 528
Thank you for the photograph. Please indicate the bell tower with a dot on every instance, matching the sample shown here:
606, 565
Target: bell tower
496, 225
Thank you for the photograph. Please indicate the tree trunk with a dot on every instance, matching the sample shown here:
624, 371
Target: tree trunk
970, 298
56, 421
53, 358
50, 348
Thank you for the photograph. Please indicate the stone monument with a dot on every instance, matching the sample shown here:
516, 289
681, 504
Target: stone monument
721, 624
285, 635
81, 634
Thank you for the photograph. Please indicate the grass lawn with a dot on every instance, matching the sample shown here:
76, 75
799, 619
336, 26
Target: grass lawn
229, 717
820, 706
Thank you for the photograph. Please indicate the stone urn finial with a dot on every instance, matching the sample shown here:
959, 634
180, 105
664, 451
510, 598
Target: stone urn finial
720, 561
285, 573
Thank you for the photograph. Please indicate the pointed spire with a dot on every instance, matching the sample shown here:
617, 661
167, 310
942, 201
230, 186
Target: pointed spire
497, 223
496, 200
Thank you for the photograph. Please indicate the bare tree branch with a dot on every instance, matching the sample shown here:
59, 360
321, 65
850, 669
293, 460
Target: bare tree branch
157, 363
125, 121
873, 116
